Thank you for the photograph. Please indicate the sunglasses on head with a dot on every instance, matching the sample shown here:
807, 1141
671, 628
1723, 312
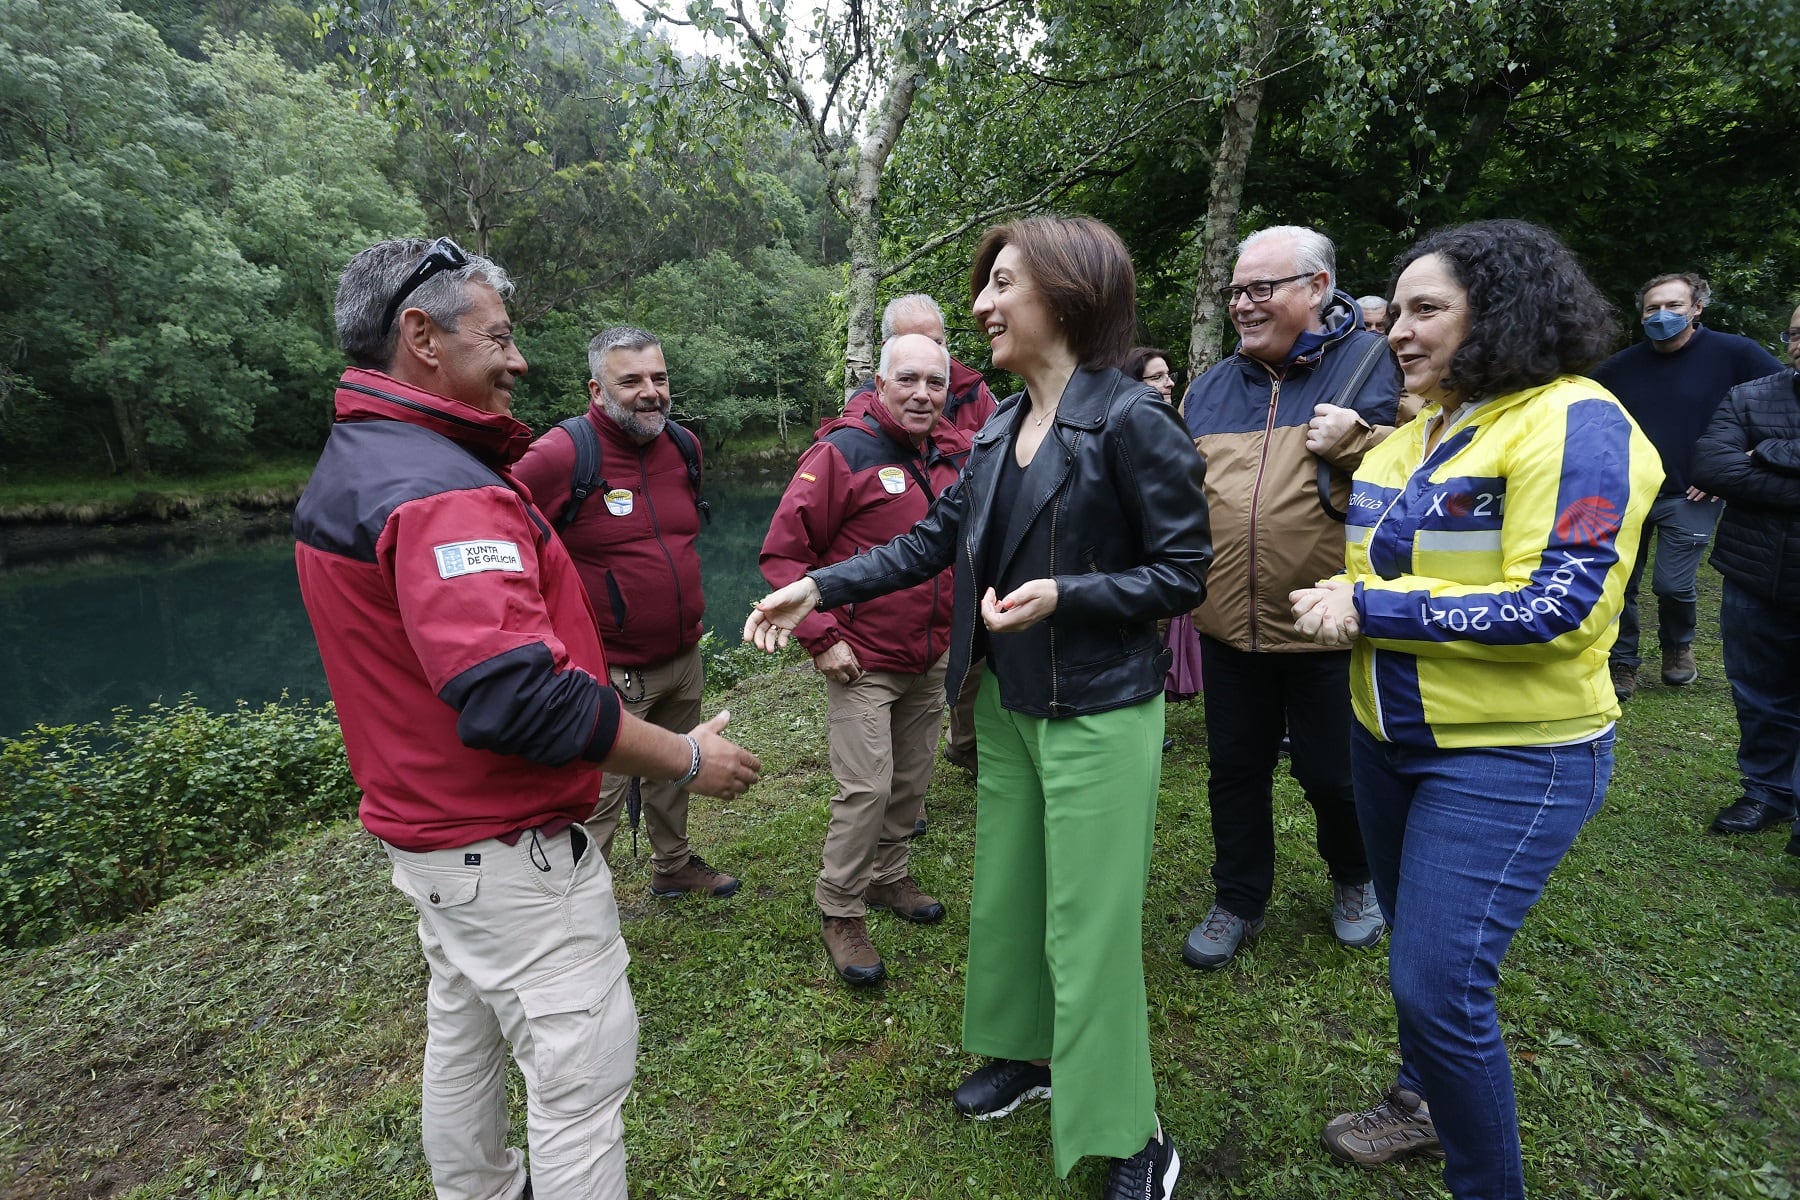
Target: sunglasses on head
441, 255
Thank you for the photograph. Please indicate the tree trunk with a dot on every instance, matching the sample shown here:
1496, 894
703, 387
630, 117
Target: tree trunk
131, 429
865, 273
865, 199
1226, 196
131, 434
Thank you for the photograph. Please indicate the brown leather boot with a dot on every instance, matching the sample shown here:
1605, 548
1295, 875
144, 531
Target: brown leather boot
904, 899
694, 875
1624, 681
852, 953
1678, 666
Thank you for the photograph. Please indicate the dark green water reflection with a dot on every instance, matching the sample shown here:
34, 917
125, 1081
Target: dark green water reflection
80, 637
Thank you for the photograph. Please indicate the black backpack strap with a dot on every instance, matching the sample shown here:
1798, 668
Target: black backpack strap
1353, 385
689, 446
585, 479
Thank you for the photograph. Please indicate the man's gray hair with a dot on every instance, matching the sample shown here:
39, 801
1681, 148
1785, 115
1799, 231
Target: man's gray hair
1698, 288
1372, 302
370, 281
887, 349
901, 304
619, 337
1313, 252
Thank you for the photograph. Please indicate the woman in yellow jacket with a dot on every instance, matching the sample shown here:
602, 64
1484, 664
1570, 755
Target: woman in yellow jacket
1489, 543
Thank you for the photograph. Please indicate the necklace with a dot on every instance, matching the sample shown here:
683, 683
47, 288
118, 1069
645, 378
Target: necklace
1038, 421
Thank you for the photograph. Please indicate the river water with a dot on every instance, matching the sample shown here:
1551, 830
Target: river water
83, 635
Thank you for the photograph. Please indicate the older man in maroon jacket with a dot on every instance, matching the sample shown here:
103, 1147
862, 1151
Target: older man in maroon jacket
633, 541
868, 479
968, 406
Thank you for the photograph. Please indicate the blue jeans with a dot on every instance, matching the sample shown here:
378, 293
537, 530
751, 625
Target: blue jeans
1460, 845
1762, 661
1681, 529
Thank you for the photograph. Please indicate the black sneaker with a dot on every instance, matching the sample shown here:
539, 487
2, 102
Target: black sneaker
1000, 1087
1150, 1174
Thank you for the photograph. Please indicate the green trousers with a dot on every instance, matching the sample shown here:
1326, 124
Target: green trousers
1065, 815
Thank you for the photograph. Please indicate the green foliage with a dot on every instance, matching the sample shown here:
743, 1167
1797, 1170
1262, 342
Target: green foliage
741, 339
172, 230
730, 661
103, 821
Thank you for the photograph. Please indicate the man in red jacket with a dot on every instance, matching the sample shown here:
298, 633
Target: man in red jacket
633, 542
467, 672
970, 403
866, 480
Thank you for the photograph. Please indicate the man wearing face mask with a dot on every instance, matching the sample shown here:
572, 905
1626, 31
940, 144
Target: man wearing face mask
1671, 382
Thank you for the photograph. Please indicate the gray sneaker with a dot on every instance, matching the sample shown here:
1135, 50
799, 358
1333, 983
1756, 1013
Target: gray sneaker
1355, 916
1214, 942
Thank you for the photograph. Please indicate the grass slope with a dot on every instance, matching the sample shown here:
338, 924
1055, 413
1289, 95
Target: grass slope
262, 1038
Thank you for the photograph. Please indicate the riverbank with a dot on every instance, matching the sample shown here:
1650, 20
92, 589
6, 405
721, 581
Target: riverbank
262, 1037
51, 518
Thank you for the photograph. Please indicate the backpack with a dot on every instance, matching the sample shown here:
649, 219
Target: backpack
585, 480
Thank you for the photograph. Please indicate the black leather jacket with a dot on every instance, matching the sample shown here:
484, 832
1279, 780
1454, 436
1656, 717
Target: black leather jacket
1112, 507
1750, 456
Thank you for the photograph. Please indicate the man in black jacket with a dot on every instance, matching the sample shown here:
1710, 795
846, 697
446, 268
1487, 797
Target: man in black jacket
1750, 456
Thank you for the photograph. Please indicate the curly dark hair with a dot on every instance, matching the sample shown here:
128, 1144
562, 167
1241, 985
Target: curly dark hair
1533, 312
1084, 272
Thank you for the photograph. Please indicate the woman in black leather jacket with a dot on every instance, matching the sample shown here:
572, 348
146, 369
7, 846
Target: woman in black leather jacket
1079, 522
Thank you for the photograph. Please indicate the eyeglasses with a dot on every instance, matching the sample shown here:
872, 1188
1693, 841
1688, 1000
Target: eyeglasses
1259, 290
1159, 377
1790, 336
441, 255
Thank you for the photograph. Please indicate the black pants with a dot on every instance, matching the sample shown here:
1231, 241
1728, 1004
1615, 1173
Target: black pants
1250, 700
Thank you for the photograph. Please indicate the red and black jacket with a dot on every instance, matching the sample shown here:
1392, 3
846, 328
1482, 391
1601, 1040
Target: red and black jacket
860, 485
458, 642
970, 404
633, 542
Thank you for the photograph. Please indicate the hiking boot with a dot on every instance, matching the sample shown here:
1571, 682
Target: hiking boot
695, 875
852, 953
904, 899
919, 828
1149, 1174
1355, 916
1624, 677
1214, 942
962, 758
1678, 666
1793, 846
1397, 1127
996, 1089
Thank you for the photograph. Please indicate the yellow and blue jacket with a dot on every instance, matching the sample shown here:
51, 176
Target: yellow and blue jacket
1490, 572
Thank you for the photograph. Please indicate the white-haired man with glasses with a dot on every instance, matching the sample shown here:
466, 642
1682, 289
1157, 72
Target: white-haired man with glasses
1282, 423
470, 683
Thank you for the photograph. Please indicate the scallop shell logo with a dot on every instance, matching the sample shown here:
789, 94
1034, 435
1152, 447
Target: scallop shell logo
1588, 521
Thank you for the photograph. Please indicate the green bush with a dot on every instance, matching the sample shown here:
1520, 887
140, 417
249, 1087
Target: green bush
102, 821
729, 662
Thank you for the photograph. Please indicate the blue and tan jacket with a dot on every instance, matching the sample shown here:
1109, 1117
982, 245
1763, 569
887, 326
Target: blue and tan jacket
1270, 533
1490, 573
